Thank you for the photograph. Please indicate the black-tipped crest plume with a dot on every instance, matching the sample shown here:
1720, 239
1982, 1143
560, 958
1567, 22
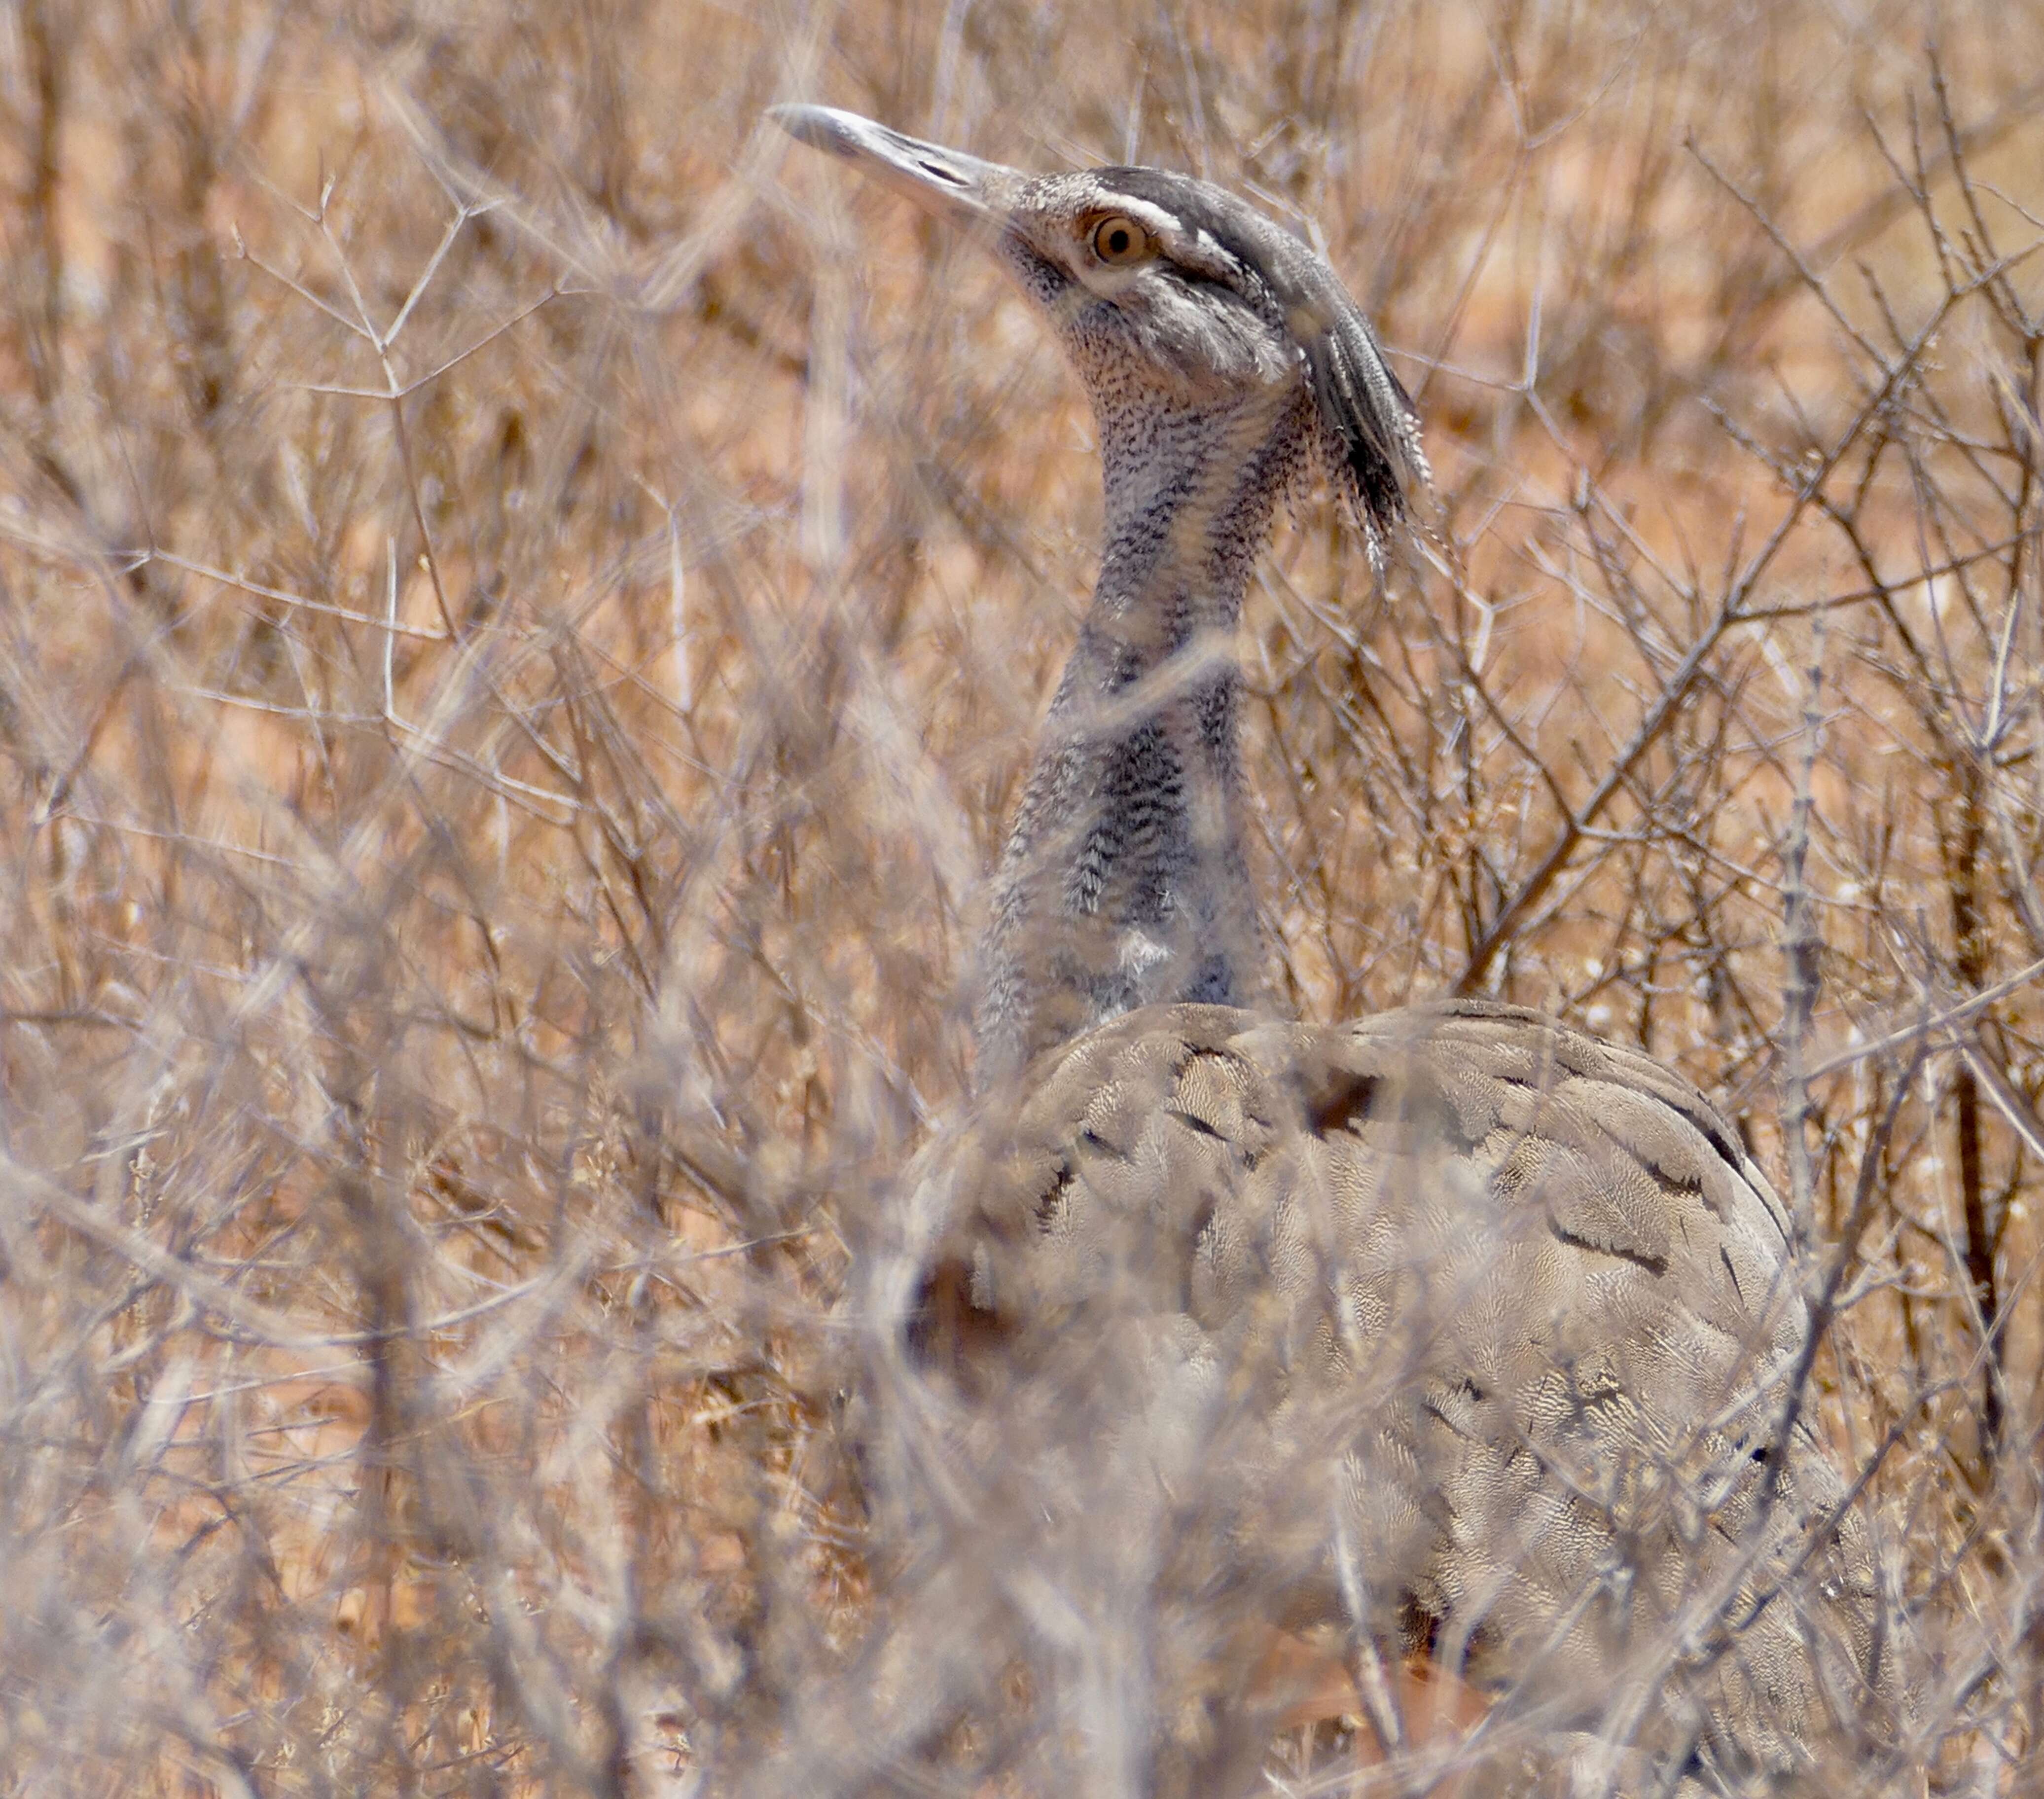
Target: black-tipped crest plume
1366, 409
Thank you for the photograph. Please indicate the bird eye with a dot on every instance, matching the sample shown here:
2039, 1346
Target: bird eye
1119, 240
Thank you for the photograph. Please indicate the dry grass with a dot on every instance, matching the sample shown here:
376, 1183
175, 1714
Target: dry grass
520, 621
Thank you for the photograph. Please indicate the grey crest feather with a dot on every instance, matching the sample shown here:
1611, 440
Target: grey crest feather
1370, 424
1366, 409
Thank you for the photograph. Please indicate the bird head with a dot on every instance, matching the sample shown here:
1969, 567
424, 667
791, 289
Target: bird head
1161, 288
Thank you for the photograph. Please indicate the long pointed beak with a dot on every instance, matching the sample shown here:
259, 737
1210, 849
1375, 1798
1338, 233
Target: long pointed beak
948, 183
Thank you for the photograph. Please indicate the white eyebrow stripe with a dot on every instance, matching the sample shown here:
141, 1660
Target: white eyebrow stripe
1195, 249
1210, 252
1154, 219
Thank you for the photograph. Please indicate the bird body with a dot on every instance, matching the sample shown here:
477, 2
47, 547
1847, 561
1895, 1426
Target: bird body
1452, 1331
1452, 1325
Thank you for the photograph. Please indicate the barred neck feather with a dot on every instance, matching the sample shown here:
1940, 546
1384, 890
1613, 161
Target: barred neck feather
1125, 879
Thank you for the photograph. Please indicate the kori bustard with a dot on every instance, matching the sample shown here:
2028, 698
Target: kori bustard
1451, 1343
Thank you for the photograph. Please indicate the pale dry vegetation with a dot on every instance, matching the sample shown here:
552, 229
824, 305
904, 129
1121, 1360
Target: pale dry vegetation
520, 621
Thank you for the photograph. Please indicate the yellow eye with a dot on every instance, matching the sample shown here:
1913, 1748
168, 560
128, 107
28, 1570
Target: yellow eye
1118, 240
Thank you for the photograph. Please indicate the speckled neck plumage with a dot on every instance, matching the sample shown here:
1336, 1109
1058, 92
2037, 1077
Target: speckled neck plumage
1125, 879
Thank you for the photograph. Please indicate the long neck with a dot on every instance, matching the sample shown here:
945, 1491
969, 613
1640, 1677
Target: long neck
1124, 882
